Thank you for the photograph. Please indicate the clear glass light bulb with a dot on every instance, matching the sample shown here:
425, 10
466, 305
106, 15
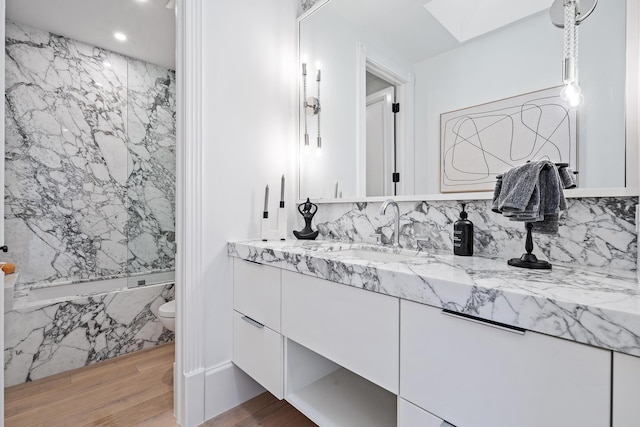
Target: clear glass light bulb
572, 94
318, 152
306, 149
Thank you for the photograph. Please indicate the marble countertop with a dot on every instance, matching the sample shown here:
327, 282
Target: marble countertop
600, 307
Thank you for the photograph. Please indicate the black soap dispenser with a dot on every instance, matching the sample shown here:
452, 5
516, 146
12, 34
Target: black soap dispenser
463, 235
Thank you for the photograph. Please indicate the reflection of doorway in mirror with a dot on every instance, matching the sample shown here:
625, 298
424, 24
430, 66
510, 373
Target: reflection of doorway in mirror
380, 140
378, 74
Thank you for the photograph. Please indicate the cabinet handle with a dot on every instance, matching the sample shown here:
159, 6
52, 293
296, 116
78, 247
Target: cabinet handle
252, 322
493, 324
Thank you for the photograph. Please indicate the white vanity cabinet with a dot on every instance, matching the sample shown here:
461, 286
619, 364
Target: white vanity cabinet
347, 357
409, 415
626, 390
475, 374
257, 342
356, 329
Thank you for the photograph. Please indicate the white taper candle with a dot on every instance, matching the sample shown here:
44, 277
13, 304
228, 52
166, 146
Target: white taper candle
282, 189
266, 199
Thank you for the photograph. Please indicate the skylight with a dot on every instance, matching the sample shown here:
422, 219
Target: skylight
467, 19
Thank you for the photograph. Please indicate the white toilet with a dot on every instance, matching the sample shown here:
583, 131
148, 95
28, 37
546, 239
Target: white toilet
167, 315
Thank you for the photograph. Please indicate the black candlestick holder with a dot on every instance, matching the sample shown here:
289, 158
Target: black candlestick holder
529, 260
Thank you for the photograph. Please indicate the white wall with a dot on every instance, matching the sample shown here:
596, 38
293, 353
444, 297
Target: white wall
517, 60
249, 110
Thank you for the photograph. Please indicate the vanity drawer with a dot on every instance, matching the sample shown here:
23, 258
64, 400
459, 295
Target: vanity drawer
354, 328
258, 351
256, 292
626, 389
474, 374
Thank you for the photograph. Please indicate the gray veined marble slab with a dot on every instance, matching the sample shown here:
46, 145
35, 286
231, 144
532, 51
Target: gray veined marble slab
152, 175
590, 305
90, 160
595, 232
54, 337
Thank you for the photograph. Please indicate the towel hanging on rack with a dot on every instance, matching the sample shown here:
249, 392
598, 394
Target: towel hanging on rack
532, 192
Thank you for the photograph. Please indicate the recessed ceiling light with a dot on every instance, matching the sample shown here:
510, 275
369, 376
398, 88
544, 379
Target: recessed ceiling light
107, 64
119, 36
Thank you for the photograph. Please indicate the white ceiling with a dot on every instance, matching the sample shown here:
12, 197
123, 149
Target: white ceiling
410, 29
148, 25
403, 26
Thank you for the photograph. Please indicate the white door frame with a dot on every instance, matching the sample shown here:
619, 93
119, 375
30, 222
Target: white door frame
632, 101
371, 61
189, 371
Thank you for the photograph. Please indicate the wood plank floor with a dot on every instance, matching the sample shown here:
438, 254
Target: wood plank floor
132, 390
263, 410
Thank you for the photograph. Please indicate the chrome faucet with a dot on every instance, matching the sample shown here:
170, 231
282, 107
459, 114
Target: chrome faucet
396, 236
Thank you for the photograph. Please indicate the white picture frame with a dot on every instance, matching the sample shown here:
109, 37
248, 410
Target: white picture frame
480, 142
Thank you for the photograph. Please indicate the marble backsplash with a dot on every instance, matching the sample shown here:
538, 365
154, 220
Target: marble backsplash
55, 337
90, 160
597, 232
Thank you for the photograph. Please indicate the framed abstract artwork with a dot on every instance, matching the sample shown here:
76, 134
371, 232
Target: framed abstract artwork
480, 142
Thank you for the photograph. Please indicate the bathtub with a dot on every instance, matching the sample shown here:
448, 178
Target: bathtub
55, 328
64, 291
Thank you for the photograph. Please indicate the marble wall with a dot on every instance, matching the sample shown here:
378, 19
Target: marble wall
51, 338
90, 160
597, 232
152, 175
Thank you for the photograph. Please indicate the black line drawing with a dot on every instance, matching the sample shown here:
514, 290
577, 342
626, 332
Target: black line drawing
480, 142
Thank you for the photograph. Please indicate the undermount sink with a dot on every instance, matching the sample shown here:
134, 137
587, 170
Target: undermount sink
375, 256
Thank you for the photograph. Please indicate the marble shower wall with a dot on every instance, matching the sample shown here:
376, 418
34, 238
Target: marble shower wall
51, 338
90, 160
597, 232
152, 177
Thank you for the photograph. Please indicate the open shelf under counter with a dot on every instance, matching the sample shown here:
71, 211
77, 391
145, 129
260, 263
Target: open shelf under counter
343, 398
332, 396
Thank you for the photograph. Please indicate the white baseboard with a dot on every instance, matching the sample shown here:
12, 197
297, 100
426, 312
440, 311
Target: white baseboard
227, 386
193, 404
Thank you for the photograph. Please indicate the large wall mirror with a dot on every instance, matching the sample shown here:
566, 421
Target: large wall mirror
433, 58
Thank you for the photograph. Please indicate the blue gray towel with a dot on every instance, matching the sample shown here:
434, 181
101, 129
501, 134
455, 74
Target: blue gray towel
531, 193
567, 177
